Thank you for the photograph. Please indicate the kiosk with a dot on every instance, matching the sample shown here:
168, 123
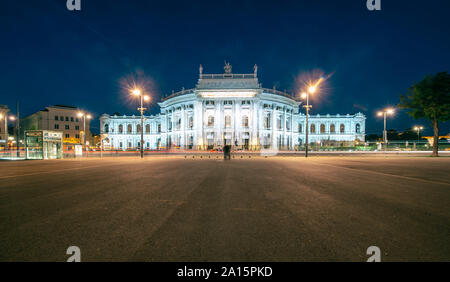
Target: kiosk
43, 145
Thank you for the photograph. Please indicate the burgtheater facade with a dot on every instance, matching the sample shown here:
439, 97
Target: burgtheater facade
232, 109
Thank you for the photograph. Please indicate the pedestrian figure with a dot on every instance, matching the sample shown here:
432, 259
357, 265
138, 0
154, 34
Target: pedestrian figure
227, 152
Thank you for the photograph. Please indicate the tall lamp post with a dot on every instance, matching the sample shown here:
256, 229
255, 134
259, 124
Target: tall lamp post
418, 129
305, 95
384, 113
4, 117
138, 92
84, 116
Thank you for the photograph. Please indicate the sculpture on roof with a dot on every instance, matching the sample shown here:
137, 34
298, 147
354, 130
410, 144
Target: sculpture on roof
227, 67
255, 70
200, 69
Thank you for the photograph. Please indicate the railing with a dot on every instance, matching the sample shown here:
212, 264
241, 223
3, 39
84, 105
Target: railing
227, 75
179, 93
267, 90
281, 93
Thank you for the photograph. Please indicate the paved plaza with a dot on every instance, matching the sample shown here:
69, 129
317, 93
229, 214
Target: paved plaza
172, 208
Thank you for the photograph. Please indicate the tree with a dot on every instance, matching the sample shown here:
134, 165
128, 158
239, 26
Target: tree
430, 99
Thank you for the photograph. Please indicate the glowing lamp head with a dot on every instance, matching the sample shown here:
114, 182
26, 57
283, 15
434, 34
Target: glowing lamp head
312, 89
390, 111
13, 118
80, 114
1, 116
146, 98
88, 116
303, 95
379, 114
416, 128
136, 92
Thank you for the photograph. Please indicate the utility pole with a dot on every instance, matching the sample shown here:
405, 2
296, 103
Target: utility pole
17, 129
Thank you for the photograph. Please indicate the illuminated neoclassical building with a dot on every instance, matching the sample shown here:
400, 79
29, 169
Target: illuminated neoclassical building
231, 109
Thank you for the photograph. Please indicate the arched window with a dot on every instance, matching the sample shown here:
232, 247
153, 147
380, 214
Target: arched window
191, 122
129, 129
288, 123
147, 128
358, 128
245, 121
138, 128
120, 129
322, 128
179, 123
106, 128
279, 122
267, 121
210, 120
169, 124
342, 128
227, 121
332, 128
313, 128
159, 128
300, 128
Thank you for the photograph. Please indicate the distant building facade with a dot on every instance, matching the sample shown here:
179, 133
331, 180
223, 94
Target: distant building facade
58, 118
232, 109
4, 110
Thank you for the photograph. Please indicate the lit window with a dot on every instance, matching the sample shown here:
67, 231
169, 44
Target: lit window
227, 121
211, 121
245, 121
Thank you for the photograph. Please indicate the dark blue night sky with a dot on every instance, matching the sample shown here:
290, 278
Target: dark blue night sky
50, 55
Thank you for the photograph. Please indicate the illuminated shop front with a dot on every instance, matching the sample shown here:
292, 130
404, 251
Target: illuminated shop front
43, 144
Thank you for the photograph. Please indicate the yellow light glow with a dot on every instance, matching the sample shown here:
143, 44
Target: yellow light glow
312, 89
390, 111
80, 114
1, 116
304, 95
146, 98
88, 116
136, 92
379, 114
13, 118
416, 128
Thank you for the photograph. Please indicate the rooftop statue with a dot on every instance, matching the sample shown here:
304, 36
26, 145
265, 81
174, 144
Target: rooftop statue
227, 67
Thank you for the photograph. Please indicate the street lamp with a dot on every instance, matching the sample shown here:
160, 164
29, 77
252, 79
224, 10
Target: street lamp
2, 117
305, 95
418, 129
138, 92
384, 113
15, 120
84, 116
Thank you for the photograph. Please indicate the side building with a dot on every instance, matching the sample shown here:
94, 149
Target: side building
58, 118
4, 110
232, 109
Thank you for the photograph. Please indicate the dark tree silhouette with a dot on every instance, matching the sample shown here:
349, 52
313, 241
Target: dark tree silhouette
430, 99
